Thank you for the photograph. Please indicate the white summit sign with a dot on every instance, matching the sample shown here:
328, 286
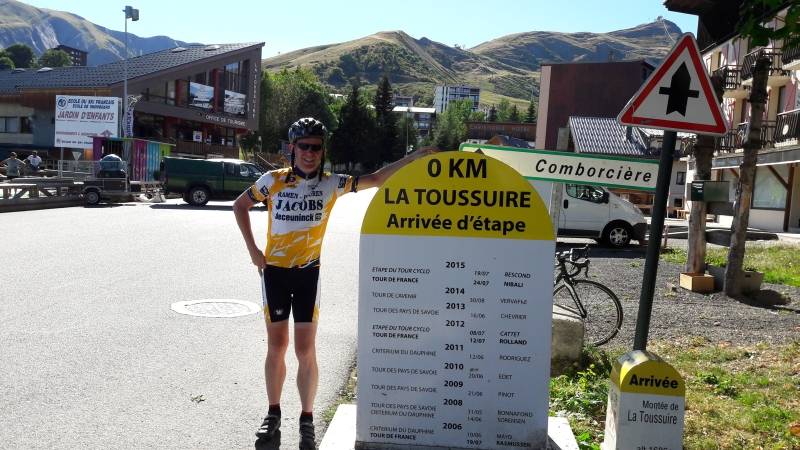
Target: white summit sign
568, 167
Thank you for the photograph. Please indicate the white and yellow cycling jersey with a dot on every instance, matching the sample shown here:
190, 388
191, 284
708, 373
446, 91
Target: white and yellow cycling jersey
298, 213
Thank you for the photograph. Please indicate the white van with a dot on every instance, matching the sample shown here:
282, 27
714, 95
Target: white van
593, 212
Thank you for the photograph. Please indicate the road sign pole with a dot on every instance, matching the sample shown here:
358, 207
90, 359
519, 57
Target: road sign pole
654, 241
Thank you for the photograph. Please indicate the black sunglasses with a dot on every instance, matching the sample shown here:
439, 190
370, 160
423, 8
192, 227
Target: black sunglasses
312, 147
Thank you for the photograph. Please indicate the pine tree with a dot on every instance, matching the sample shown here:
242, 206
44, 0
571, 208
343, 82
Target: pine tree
352, 142
514, 115
389, 146
530, 117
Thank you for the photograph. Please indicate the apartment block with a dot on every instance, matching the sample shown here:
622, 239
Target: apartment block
450, 93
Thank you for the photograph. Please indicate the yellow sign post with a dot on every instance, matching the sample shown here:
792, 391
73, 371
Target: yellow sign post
646, 402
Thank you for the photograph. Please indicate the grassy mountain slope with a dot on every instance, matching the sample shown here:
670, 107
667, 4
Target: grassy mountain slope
529, 50
507, 67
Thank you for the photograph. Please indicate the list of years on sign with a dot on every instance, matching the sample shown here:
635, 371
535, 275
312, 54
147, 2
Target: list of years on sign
473, 343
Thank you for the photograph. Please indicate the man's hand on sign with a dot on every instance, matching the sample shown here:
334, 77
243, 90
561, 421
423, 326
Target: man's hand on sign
377, 178
425, 151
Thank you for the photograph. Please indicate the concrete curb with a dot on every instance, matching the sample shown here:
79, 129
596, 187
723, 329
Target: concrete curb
38, 203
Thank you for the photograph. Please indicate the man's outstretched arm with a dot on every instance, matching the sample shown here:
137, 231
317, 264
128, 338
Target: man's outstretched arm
377, 178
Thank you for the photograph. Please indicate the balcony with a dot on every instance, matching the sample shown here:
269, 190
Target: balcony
787, 131
734, 139
791, 58
777, 75
732, 82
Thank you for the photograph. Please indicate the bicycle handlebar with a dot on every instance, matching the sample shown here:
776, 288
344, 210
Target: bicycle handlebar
577, 257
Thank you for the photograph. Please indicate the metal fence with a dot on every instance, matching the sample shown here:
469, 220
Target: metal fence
81, 170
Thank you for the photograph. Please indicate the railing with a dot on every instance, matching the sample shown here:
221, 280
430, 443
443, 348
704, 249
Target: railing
83, 169
790, 54
731, 76
786, 127
735, 138
203, 149
729, 142
748, 65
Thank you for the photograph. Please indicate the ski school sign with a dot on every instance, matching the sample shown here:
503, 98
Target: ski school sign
567, 167
79, 118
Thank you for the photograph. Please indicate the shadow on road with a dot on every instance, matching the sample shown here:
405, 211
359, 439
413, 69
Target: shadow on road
186, 207
719, 236
189, 207
272, 444
106, 205
600, 251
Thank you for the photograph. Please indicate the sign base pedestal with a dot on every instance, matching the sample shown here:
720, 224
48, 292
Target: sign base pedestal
341, 434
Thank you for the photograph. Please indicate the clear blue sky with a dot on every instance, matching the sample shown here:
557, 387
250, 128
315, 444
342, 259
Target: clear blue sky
287, 25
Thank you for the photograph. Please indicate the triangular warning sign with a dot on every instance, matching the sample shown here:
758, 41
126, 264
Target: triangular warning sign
677, 96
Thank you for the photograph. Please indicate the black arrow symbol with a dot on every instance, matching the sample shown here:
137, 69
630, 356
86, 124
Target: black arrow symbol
679, 91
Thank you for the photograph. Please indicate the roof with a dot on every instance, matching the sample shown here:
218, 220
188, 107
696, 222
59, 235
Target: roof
414, 109
575, 63
508, 141
604, 135
106, 75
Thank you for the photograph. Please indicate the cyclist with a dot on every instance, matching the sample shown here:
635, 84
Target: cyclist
300, 200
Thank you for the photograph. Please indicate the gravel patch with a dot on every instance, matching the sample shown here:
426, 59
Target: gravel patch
678, 313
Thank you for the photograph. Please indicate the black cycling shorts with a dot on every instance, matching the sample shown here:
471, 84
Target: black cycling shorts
294, 290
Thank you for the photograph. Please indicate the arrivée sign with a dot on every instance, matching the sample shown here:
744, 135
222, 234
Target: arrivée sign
455, 308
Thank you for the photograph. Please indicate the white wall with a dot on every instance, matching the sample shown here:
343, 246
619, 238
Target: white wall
794, 216
765, 219
677, 190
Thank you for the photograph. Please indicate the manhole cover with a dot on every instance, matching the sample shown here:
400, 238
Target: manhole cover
216, 308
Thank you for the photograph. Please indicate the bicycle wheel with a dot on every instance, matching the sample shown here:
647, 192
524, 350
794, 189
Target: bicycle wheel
603, 311
565, 302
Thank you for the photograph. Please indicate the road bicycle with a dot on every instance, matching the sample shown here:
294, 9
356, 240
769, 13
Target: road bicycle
593, 303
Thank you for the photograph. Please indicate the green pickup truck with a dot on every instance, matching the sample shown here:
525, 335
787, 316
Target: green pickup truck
201, 180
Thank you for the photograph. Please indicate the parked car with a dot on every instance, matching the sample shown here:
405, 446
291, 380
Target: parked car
201, 180
594, 212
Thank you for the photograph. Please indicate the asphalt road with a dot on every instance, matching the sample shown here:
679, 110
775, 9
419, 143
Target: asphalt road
94, 358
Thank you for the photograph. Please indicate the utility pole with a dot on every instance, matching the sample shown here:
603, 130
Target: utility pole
133, 14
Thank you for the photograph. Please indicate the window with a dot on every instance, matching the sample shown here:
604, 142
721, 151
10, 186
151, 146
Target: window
768, 191
678, 203
199, 78
585, 192
25, 125
680, 178
254, 170
230, 169
170, 92
782, 99
9, 124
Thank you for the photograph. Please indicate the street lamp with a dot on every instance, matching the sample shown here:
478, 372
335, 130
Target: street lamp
133, 14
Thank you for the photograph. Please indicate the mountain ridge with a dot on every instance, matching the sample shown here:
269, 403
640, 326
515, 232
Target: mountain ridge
507, 66
42, 29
